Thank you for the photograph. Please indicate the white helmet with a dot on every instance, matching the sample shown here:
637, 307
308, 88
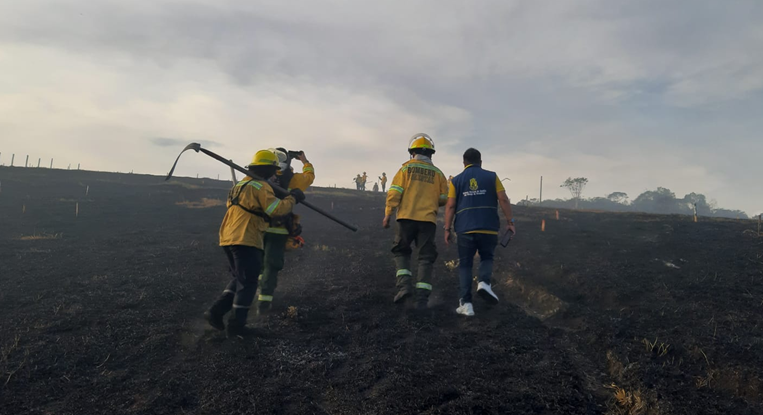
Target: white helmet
283, 158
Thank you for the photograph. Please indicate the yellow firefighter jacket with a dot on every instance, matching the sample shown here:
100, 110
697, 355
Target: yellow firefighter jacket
299, 181
417, 192
303, 180
241, 227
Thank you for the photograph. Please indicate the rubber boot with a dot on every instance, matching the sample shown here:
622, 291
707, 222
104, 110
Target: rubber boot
402, 294
263, 307
404, 288
237, 324
214, 315
422, 298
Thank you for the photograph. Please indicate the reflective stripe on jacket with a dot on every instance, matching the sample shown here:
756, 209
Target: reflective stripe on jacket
299, 181
240, 227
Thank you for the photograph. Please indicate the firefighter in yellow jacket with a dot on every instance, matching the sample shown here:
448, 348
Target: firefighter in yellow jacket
383, 180
417, 192
251, 204
285, 230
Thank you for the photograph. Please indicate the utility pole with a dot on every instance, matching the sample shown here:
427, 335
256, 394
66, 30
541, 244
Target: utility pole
540, 200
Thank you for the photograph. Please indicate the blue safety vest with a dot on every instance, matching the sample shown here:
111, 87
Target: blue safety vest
476, 201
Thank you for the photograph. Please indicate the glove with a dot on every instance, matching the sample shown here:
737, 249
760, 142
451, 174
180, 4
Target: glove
298, 195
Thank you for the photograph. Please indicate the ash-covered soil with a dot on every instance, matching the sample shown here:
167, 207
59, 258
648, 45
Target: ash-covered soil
601, 313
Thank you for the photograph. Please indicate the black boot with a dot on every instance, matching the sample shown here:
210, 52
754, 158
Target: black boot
422, 298
214, 315
263, 308
237, 324
403, 293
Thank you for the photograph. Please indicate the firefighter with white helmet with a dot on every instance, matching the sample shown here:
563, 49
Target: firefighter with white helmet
284, 231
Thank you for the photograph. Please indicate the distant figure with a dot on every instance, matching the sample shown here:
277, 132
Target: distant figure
376, 186
416, 194
358, 181
474, 197
383, 180
363, 181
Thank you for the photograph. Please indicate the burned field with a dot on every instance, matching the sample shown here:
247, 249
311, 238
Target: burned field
101, 296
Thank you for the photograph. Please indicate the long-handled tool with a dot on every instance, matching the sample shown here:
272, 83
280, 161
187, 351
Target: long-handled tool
197, 147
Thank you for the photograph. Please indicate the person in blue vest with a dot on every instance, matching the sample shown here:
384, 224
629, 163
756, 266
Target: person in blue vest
474, 197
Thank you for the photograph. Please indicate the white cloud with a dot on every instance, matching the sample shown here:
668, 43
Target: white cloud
633, 95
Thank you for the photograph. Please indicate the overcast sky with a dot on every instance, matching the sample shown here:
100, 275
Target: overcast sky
632, 95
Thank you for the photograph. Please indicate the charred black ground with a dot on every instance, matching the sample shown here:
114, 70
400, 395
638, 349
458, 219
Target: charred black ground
601, 313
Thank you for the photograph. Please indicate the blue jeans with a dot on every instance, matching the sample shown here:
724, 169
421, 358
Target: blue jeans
468, 245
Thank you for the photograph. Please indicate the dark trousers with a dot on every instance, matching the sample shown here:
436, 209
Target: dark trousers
468, 245
275, 250
423, 235
244, 263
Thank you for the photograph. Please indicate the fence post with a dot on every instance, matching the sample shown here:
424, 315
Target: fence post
51, 163
77, 166
26, 163
13, 157
38, 162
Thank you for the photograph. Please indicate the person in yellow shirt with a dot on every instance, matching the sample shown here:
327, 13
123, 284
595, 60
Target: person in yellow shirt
474, 197
417, 192
383, 180
363, 181
283, 230
251, 205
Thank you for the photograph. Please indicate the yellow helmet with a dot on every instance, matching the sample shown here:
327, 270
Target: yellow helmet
265, 158
421, 140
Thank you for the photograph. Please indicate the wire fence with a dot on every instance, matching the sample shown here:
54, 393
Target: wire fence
17, 163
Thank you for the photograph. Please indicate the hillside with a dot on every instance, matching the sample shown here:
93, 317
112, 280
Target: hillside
104, 277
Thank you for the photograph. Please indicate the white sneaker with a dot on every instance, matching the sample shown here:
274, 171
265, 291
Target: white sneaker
465, 309
486, 292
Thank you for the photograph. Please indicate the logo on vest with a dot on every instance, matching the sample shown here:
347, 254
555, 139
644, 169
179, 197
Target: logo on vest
474, 189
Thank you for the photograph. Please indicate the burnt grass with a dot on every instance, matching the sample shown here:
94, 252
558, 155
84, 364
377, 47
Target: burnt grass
602, 313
